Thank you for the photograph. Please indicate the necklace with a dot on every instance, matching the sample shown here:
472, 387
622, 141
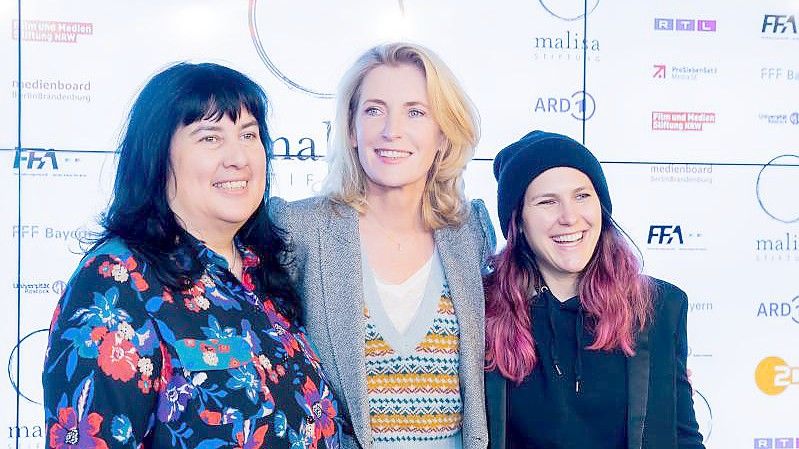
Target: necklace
387, 233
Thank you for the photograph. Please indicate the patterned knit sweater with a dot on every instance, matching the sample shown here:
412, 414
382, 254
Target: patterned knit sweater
412, 378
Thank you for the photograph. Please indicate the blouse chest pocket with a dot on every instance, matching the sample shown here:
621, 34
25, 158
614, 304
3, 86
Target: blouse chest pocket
213, 353
227, 381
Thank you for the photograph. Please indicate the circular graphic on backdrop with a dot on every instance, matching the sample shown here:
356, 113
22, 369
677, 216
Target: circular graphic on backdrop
30, 367
583, 105
777, 184
568, 10
766, 375
332, 35
704, 415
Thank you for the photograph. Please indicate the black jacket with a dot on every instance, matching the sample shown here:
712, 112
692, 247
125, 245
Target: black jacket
660, 410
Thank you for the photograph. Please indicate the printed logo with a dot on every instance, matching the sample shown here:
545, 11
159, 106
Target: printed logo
50, 31
778, 248
567, 46
683, 72
779, 74
790, 118
681, 121
777, 443
47, 162
41, 288
38, 232
693, 173
29, 351
568, 10
302, 148
773, 375
673, 237
296, 62
779, 27
701, 25
580, 105
780, 309
700, 306
53, 90
776, 186
704, 414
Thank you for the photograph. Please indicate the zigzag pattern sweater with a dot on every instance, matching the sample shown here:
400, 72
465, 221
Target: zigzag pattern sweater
412, 378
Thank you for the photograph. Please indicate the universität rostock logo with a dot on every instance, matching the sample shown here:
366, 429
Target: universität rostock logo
773, 375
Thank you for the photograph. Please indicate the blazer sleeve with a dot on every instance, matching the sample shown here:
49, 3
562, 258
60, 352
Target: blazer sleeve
488, 239
104, 360
688, 436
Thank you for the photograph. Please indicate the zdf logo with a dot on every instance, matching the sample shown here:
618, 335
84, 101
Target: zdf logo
773, 375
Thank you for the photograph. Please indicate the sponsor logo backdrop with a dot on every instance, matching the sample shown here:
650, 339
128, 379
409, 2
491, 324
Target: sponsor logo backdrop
690, 106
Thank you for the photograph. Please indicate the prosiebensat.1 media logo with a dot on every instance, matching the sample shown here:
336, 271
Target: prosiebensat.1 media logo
773, 375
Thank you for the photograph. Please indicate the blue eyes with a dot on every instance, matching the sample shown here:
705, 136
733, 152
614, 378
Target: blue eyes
374, 111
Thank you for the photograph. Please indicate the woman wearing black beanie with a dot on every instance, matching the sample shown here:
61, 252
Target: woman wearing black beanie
583, 350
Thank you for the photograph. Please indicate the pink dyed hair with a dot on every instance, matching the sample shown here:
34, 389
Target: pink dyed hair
614, 293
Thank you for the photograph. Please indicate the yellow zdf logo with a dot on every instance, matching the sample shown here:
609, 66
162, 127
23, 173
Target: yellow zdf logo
773, 375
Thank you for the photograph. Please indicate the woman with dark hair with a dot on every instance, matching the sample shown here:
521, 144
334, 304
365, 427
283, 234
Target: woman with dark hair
179, 328
583, 350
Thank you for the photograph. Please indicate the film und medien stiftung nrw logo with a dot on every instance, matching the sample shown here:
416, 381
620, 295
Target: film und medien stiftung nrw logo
773, 375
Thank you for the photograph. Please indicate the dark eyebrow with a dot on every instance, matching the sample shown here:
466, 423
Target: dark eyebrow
205, 128
219, 128
250, 123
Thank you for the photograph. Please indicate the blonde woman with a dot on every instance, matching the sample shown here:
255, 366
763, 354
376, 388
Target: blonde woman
388, 261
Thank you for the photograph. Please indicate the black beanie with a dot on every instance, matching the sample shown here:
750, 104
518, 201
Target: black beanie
519, 163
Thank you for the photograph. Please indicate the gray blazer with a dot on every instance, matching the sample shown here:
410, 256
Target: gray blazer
325, 265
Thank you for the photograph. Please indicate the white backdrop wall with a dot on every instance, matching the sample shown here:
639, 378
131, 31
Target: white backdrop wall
691, 106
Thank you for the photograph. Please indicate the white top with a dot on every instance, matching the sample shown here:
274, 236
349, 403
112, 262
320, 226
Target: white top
401, 301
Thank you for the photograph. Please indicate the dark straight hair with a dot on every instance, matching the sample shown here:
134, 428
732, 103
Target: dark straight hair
139, 213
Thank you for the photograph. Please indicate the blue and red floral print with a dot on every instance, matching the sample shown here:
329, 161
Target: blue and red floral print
132, 364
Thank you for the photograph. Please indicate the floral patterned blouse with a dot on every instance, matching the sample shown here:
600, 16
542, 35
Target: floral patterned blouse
132, 364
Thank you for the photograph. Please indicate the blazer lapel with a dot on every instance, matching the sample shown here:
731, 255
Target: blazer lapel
465, 287
344, 305
638, 391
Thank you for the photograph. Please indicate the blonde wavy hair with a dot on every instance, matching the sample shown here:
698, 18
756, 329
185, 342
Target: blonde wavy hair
443, 202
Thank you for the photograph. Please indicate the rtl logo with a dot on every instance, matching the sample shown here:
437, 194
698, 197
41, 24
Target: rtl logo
665, 24
778, 24
777, 443
35, 158
665, 234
